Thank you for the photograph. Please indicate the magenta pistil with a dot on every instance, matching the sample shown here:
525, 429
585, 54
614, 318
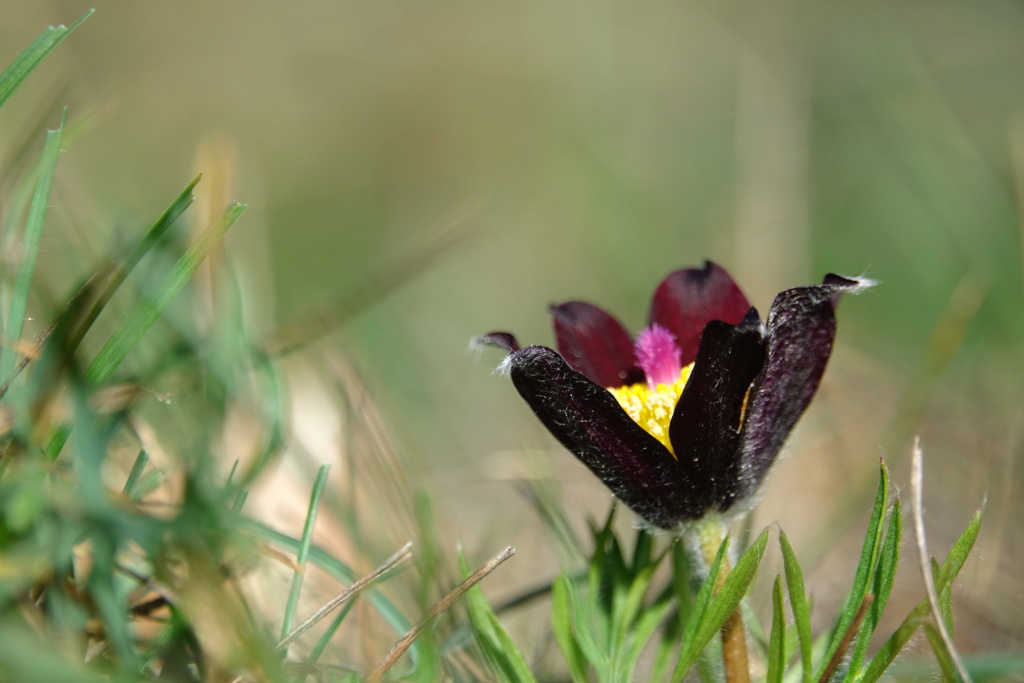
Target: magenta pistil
658, 355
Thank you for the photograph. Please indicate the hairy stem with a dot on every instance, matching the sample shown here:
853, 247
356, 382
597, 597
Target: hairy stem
709, 534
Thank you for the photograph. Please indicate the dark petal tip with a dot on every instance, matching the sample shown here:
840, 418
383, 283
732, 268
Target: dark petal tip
800, 332
688, 299
848, 285
503, 340
595, 343
588, 421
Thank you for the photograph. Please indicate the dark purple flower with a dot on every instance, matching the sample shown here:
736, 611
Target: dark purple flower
687, 418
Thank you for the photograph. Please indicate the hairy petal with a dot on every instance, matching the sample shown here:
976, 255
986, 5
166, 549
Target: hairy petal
588, 421
689, 299
596, 344
705, 428
801, 329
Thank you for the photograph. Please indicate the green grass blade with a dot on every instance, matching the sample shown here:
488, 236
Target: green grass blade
798, 603
142, 317
697, 613
130, 484
942, 655
954, 561
30, 247
325, 639
22, 659
777, 639
949, 570
563, 615
341, 571
505, 659
120, 274
724, 603
865, 570
885, 576
303, 554
33, 55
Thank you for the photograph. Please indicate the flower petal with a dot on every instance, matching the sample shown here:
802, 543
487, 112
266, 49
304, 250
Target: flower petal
689, 299
705, 428
588, 421
801, 328
596, 344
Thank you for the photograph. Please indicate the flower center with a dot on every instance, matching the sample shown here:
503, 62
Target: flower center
652, 407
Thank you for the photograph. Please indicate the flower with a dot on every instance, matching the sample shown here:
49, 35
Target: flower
686, 419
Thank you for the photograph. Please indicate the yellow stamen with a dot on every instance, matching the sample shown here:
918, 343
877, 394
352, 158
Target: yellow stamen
652, 408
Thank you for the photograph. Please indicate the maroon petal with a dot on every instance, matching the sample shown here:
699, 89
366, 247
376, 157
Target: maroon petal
505, 340
705, 427
801, 328
689, 299
588, 421
596, 344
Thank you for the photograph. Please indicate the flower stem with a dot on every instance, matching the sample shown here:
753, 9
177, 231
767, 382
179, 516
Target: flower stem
708, 535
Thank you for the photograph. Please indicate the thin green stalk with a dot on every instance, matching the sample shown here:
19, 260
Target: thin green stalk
30, 247
303, 554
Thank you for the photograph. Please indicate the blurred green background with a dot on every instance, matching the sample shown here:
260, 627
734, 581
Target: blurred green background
583, 150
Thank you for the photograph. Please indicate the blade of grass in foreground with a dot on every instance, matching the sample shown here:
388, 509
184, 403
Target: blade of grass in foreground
30, 247
142, 317
120, 274
33, 55
303, 554
798, 603
714, 614
951, 567
506, 661
865, 570
113, 276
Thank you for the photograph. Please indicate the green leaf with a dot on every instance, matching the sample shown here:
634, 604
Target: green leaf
798, 603
881, 586
341, 571
130, 261
865, 569
777, 639
142, 317
33, 55
697, 613
710, 620
141, 460
954, 561
303, 554
563, 614
506, 661
942, 655
949, 570
30, 248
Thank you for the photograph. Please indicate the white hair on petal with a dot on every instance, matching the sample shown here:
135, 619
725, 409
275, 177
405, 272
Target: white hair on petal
505, 367
863, 282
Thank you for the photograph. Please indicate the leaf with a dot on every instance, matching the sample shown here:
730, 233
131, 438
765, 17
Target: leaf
303, 554
881, 586
865, 569
506, 661
142, 317
942, 655
949, 570
33, 55
30, 247
710, 620
776, 641
562, 617
798, 603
